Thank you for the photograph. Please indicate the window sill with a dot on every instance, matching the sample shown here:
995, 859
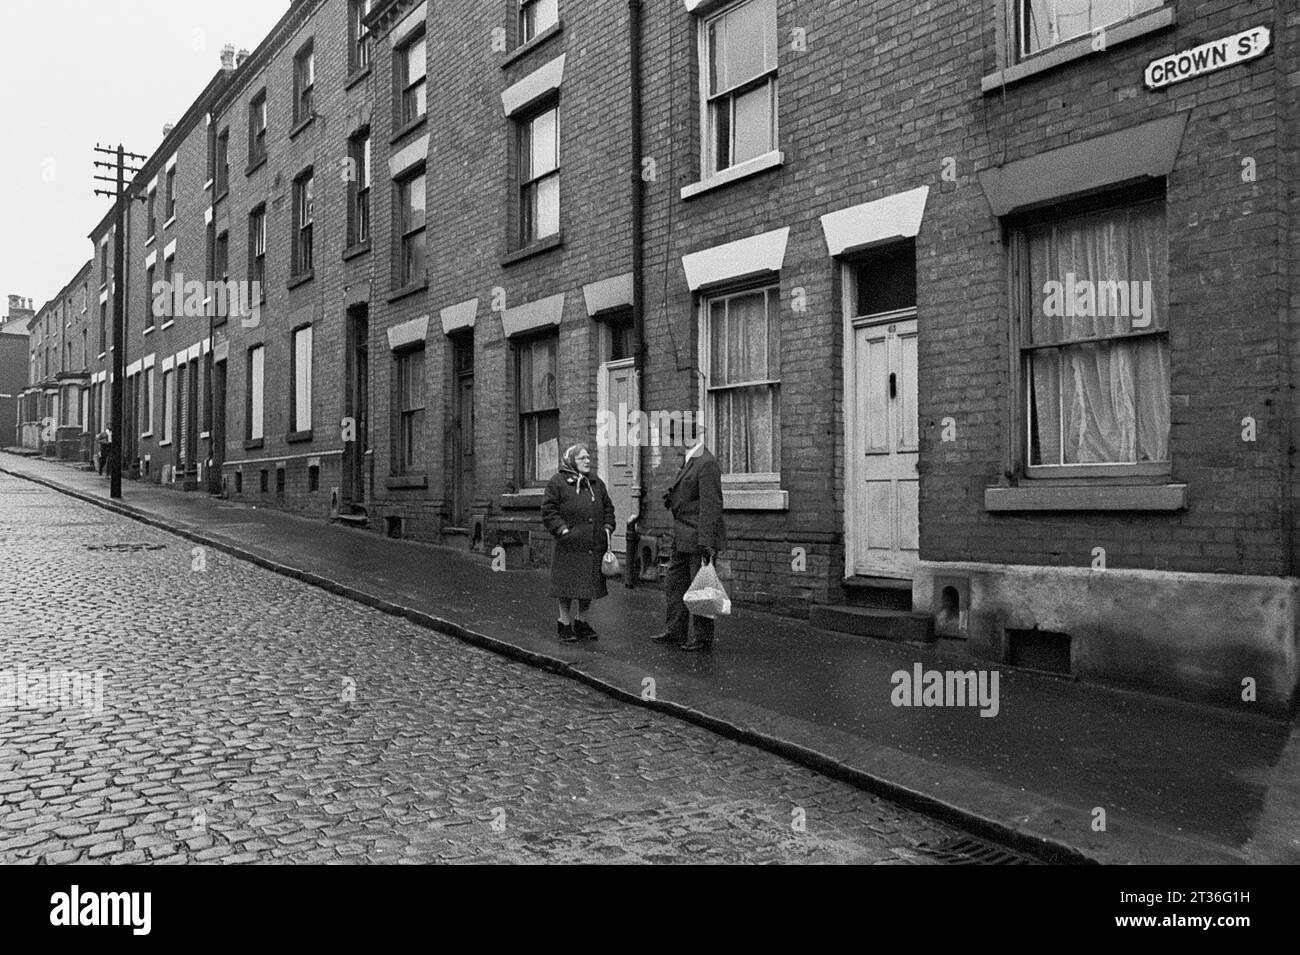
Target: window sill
298, 437
169, 223
102, 354
205, 434
301, 125
221, 195
755, 499
148, 331
356, 77
406, 290
164, 444
168, 324
1087, 497
147, 434
527, 498
352, 251
208, 184
150, 241
524, 49
255, 165
302, 279
750, 167
397, 482
534, 248
253, 444
409, 128
1078, 48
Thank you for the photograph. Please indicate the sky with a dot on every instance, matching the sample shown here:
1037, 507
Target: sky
74, 73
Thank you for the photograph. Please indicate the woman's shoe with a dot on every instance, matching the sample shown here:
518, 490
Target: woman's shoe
565, 632
583, 629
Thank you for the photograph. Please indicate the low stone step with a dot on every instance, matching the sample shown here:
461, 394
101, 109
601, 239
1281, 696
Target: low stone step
873, 622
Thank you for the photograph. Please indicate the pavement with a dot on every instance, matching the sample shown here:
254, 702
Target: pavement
1065, 770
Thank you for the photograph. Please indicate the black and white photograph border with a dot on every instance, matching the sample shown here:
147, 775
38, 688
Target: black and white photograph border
655, 431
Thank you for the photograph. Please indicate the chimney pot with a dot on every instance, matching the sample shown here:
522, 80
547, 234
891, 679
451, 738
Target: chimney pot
241, 58
167, 129
228, 56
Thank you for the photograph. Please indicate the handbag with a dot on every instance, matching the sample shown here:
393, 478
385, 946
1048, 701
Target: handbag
706, 598
609, 565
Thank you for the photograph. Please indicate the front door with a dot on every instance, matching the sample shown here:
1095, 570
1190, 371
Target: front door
617, 458
218, 426
462, 445
884, 528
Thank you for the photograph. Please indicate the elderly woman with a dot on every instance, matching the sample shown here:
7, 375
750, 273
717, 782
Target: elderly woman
580, 516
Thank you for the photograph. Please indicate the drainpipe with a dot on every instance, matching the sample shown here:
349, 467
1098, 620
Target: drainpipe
632, 571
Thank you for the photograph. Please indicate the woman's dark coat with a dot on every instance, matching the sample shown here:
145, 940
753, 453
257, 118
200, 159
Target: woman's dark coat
575, 567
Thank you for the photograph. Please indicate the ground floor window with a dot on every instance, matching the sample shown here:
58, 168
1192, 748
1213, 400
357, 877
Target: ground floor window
1094, 343
740, 347
410, 411
539, 409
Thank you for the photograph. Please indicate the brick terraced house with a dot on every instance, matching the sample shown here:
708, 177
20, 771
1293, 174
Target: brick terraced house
987, 306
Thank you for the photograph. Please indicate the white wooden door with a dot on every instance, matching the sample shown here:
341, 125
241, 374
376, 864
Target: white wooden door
884, 422
617, 460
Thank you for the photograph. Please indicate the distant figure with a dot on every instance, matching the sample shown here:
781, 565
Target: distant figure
580, 516
105, 440
695, 500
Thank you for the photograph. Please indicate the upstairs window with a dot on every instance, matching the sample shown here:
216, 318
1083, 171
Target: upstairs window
539, 176
304, 78
411, 69
170, 205
1045, 23
221, 256
411, 222
358, 36
359, 189
257, 248
410, 411
536, 17
149, 274
257, 129
222, 170
739, 84
151, 218
303, 213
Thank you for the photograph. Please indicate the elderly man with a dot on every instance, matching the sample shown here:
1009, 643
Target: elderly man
695, 500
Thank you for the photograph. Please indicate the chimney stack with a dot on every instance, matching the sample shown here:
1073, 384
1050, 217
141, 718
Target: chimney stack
241, 58
167, 129
228, 57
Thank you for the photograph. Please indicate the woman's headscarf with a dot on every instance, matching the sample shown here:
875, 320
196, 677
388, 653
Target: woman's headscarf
569, 468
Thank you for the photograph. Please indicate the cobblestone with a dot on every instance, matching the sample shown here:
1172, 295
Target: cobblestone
250, 718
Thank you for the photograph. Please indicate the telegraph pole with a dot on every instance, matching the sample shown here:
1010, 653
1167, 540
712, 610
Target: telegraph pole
119, 165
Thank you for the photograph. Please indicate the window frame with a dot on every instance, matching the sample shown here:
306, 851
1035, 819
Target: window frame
527, 34
150, 276
406, 89
1020, 47
257, 247
304, 81
304, 220
1022, 295
529, 186
533, 415
406, 232
359, 37
705, 405
300, 380
255, 392
709, 168
168, 407
258, 121
410, 419
169, 196
221, 170
360, 188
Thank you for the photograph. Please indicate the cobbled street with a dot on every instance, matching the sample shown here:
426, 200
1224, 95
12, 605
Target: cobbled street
246, 717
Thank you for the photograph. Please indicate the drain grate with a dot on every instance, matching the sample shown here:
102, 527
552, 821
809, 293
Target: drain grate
125, 548
967, 850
